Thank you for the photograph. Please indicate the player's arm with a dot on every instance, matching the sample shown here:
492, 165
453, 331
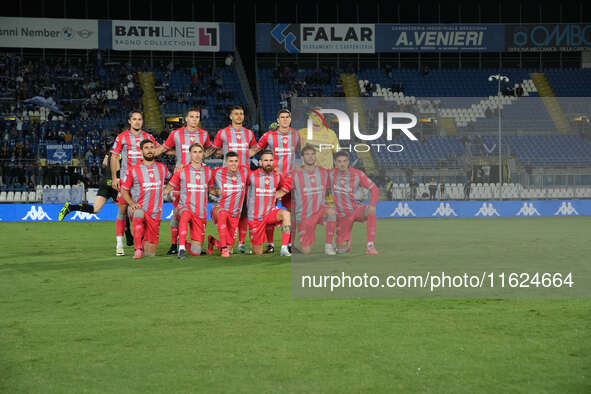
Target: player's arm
262, 144
369, 185
106, 160
284, 186
166, 146
125, 186
115, 166
173, 183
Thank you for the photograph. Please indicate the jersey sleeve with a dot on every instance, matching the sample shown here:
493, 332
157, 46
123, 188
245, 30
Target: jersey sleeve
284, 183
212, 174
126, 185
175, 180
151, 138
369, 185
117, 145
169, 143
264, 141
217, 141
207, 142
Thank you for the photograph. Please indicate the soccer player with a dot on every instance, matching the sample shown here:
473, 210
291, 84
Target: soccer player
192, 182
180, 140
236, 138
309, 187
283, 142
345, 182
105, 191
265, 185
325, 140
230, 182
142, 190
127, 145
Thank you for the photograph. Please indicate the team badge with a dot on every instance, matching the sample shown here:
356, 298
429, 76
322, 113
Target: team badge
238, 136
267, 181
285, 140
234, 178
198, 176
151, 175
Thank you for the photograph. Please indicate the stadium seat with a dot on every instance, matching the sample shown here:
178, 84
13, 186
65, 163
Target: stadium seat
2, 196
10, 197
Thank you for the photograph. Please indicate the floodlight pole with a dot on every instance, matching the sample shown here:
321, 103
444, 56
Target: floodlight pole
499, 78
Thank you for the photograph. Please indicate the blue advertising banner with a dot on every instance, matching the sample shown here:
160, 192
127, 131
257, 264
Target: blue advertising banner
440, 38
385, 209
548, 37
59, 153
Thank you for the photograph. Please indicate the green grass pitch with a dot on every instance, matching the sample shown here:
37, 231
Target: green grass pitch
75, 318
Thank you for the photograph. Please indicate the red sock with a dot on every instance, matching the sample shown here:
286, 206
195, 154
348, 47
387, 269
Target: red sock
330, 229
371, 227
119, 227
222, 227
174, 234
242, 229
270, 231
138, 232
285, 237
184, 227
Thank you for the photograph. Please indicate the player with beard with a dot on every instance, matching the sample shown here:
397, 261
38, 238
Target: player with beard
309, 189
142, 190
265, 186
126, 145
179, 142
283, 143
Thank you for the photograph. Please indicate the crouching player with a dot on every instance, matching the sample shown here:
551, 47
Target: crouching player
142, 191
309, 186
192, 182
230, 185
345, 182
265, 186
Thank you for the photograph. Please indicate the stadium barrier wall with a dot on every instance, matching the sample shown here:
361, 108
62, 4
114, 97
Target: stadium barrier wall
385, 209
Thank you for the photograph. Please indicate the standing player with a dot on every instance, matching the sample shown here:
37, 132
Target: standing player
127, 145
265, 185
283, 142
309, 187
345, 182
192, 182
230, 183
145, 182
325, 140
236, 138
105, 191
180, 140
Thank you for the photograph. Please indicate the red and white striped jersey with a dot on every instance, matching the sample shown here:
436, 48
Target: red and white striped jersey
232, 187
193, 184
181, 139
345, 185
239, 140
128, 146
284, 147
308, 191
261, 192
146, 186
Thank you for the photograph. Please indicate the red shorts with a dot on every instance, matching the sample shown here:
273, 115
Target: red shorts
286, 201
151, 229
307, 228
257, 228
345, 224
197, 224
231, 224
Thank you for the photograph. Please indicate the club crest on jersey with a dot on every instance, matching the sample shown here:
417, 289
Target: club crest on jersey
238, 137
198, 176
285, 140
151, 175
343, 182
267, 181
234, 178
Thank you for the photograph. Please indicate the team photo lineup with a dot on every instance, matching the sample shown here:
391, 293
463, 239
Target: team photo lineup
246, 199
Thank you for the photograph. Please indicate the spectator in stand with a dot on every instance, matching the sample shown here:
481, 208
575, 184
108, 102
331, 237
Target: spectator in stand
432, 189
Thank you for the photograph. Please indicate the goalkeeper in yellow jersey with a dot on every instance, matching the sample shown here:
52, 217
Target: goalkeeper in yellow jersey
322, 136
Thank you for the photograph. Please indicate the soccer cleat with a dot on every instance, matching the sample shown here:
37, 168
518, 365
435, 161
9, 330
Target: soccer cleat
225, 252
348, 246
293, 250
64, 211
284, 251
138, 254
270, 249
371, 250
330, 250
119, 252
211, 244
173, 249
182, 253
241, 248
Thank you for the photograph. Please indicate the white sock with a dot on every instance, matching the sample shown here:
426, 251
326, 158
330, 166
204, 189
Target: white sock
284, 247
369, 244
240, 245
328, 245
182, 247
119, 241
